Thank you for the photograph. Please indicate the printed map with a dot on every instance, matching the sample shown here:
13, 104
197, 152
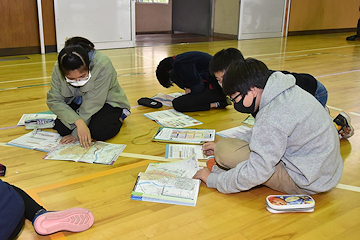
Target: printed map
99, 152
163, 185
169, 183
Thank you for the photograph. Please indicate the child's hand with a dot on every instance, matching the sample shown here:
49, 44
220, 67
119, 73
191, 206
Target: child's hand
208, 148
68, 139
187, 90
83, 133
202, 174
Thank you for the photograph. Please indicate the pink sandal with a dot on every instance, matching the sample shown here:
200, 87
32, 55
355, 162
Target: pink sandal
72, 220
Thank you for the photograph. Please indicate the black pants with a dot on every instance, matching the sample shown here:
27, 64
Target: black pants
193, 102
31, 208
103, 125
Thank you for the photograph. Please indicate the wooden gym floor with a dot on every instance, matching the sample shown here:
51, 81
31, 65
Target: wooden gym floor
105, 190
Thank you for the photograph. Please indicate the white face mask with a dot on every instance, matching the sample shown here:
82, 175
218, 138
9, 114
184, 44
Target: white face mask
80, 82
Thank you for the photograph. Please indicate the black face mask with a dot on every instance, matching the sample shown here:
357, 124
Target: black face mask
239, 106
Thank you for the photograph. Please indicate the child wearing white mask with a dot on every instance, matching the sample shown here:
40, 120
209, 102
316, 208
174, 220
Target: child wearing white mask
85, 94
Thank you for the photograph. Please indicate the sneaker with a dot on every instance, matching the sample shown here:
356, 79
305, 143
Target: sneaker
343, 120
72, 220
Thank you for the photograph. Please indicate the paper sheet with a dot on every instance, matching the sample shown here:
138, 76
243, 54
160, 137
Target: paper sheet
172, 118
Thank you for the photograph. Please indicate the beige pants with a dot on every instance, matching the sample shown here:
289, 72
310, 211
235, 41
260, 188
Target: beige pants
231, 151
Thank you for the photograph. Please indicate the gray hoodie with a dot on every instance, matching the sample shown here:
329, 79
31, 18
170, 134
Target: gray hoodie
294, 128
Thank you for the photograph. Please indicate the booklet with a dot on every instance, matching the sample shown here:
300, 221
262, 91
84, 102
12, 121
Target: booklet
37, 120
235, 132
166, 99
249, 120
172, 118
184, 135
184, 151
37, 140
170, 183
98, 152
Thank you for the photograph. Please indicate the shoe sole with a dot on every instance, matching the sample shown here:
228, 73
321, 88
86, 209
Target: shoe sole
72, 220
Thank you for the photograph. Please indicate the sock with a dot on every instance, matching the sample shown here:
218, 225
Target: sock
338, 127
38, 213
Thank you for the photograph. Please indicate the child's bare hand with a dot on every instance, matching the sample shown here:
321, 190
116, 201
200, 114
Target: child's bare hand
68, 139
83, 133
208, 148
202, 174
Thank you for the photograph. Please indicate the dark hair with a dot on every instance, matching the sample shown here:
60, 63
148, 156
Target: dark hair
85, 43
223, 58
73, 57
240, 76
162, 71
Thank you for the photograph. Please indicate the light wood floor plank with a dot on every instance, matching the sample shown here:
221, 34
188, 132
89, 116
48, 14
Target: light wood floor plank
106, 189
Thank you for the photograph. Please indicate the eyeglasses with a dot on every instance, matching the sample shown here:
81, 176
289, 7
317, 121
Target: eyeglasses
233, 99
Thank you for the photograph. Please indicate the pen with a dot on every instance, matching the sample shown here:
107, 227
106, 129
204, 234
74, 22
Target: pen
39, 121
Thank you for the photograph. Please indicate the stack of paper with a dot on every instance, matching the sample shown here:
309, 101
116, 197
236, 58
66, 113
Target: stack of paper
172, 118
170, 183
235, 132
37, 120
184, 135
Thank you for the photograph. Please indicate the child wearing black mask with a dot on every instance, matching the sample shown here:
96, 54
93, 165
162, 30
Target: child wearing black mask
287, 150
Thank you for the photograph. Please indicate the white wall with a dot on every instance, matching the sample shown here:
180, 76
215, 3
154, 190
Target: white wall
226, 17
107, 23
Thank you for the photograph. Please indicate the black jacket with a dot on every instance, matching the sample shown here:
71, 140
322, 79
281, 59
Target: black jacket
303, 80
191, 70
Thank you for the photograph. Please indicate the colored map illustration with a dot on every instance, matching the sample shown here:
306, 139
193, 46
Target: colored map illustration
99, 152
162, 185
186, 168
169, 183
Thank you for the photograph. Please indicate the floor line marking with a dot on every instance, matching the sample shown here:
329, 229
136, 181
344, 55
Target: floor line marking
348, 187
149, 157
28, 86
87, 177
26, 79
354, 113
11, 127
334, 74
334, 108
307, 50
